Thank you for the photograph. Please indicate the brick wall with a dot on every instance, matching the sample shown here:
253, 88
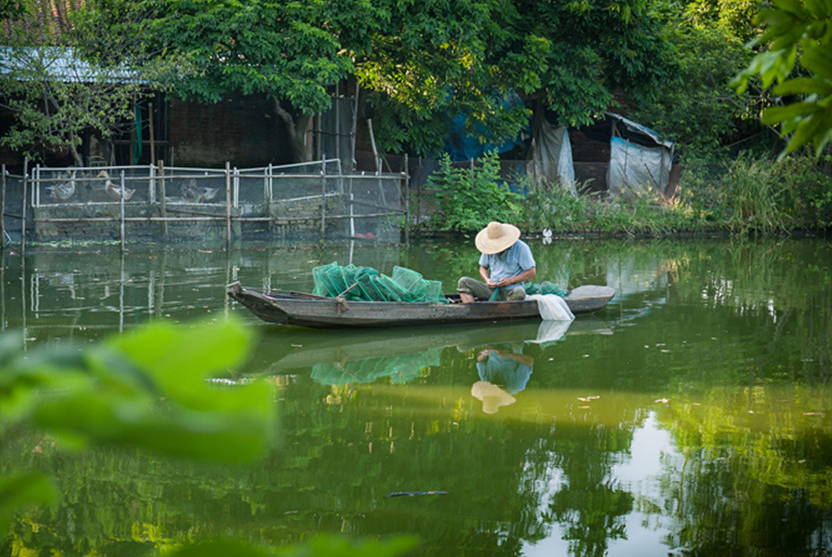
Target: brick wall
242, 130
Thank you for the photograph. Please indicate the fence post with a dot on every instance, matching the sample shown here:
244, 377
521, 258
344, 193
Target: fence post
121, 209
163, 207
323, 197
151, 190
352, 208
406, 177
36, 186
3, 209
227, 205
23, 214
236, 187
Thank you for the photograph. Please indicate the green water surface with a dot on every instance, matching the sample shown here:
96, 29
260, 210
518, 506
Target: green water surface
691, 416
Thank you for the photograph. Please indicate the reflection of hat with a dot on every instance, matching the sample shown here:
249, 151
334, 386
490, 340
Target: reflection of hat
497, 237
492, 396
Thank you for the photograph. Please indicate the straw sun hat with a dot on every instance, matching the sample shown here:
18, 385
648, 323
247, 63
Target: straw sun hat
492, 396
497, 237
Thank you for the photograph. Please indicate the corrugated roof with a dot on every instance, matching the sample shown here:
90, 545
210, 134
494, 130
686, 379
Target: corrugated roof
60, 62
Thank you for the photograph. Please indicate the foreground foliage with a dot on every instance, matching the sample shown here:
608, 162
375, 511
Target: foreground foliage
797, 65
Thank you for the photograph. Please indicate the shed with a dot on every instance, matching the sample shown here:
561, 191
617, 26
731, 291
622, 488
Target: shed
618, 155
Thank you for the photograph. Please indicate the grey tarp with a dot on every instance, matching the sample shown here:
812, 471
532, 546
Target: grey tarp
636, 167
552, 157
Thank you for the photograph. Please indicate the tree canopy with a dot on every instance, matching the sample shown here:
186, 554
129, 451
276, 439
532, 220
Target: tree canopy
420, 63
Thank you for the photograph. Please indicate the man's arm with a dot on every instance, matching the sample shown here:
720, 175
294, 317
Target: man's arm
528, 274
487, 279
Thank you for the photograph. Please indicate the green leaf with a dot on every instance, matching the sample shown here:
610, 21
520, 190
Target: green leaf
778, 114
803, 86
23, 490
818, 61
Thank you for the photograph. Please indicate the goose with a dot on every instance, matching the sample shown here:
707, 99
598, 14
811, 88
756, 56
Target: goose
62, 191
115, 191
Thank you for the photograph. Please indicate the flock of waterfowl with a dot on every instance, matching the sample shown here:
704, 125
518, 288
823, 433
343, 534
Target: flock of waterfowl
62, 192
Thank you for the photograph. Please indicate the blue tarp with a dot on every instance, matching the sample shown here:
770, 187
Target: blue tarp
461, 147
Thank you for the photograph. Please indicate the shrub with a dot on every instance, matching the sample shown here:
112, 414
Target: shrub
468, 199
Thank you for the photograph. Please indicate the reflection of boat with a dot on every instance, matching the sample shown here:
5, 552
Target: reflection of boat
307, 310
400, 353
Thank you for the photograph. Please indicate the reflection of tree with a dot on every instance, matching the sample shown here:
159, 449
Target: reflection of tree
755, 477
591, 506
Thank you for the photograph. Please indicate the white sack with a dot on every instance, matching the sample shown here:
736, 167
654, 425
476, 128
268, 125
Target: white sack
552, 307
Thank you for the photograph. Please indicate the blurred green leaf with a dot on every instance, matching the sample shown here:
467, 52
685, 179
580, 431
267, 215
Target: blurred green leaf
23, 490
150, 389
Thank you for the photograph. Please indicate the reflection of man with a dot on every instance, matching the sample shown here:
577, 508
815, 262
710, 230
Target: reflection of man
506, 263
502, 374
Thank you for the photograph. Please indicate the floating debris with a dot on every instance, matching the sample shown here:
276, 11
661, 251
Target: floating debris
415, 493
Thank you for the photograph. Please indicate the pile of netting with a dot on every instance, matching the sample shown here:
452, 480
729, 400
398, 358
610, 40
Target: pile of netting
367, 284
544, 287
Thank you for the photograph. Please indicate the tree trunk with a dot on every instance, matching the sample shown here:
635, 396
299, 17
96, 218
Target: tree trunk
296, 128
76, 156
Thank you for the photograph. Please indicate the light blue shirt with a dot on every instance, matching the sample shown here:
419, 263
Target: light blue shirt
510, 263
504, 372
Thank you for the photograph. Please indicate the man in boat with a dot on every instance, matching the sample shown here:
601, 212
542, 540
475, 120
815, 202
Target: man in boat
505, 264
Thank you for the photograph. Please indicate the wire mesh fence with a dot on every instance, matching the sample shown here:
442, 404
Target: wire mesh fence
153, 201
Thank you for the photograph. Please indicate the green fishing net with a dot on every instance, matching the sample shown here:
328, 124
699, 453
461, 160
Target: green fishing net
544, 287
367, 284
397, 369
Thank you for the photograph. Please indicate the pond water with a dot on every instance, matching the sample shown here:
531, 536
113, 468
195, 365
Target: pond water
691, 416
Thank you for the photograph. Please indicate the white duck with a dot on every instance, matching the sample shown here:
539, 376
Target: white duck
62, 191
115, 191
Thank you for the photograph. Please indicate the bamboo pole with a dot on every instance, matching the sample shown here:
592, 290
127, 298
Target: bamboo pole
227, 205
3, 208
36, 187
323, 199
163, 206
152, 139
23, 214
121, 210
352, 210
406, 177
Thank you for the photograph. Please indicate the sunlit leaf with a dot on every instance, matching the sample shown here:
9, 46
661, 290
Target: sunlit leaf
803, 85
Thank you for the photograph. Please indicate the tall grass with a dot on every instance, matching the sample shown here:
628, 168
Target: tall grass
748, 194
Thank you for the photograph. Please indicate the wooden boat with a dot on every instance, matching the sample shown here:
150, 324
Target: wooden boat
308, 310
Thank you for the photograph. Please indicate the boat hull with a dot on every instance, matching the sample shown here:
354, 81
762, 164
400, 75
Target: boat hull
306, 310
